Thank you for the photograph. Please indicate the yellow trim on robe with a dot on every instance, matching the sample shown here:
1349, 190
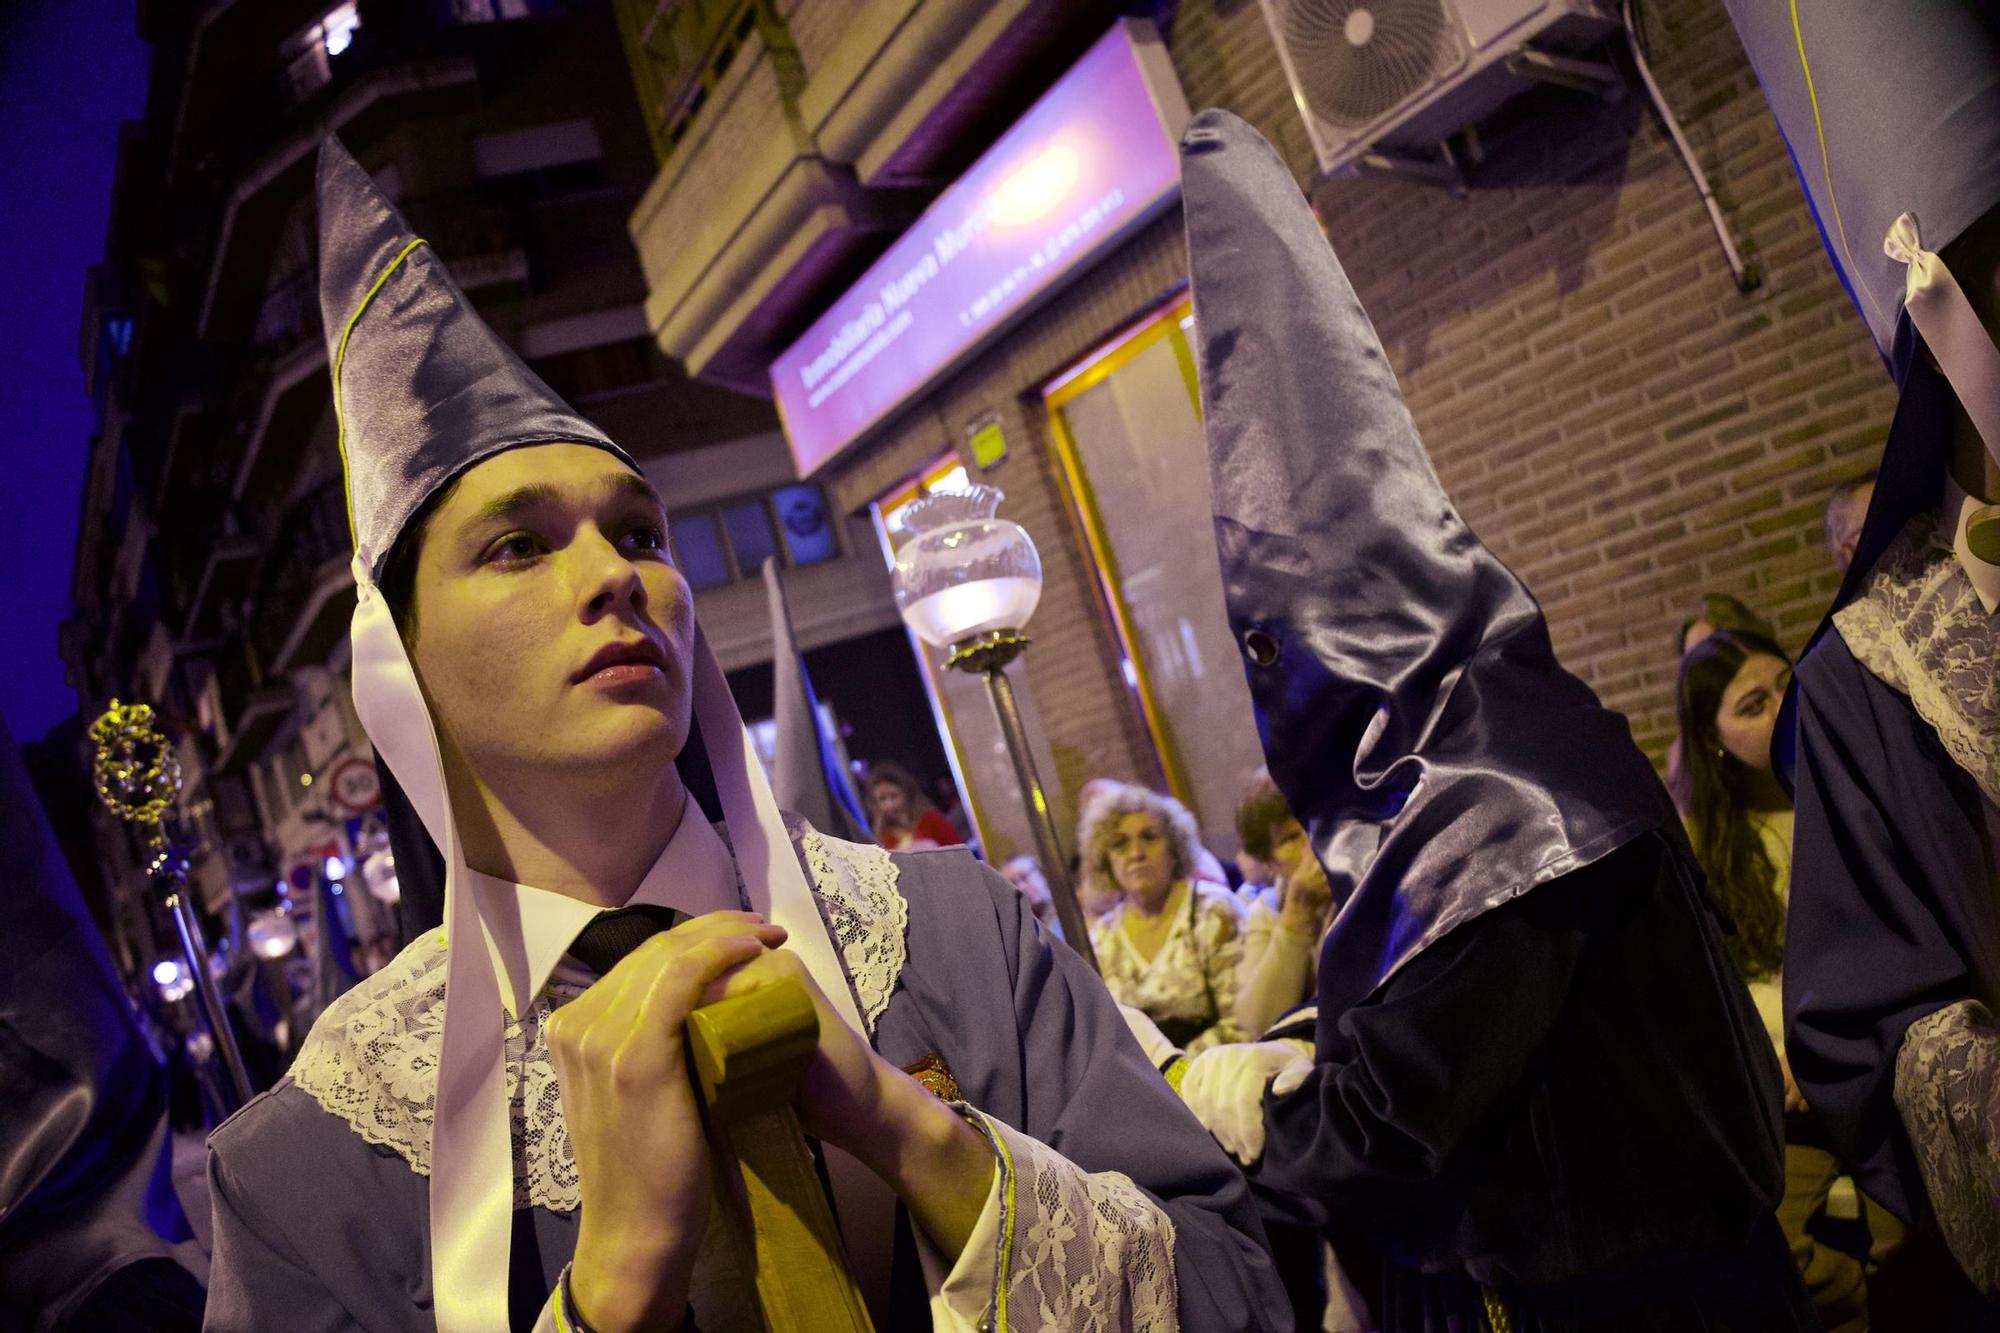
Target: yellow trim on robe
1007, 1215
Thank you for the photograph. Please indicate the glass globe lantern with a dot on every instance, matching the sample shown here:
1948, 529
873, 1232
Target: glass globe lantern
378, 872
966, 575
968, 581
272, 934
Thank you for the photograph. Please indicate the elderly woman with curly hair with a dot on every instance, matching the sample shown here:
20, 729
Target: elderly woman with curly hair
1172, 946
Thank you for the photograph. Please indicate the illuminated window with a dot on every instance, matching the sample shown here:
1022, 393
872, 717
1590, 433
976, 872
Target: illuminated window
338, 27
309, 52
806, 524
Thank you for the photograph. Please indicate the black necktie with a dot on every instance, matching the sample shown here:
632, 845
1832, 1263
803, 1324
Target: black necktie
612, 935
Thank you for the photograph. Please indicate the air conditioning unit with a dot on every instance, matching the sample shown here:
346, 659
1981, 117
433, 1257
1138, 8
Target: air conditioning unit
1382, 83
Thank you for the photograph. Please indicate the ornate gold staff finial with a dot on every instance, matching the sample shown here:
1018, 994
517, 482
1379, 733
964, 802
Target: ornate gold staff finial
135, 771
138, 777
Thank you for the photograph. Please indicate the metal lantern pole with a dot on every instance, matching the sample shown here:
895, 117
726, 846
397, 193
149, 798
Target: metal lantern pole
989, 655
138, 778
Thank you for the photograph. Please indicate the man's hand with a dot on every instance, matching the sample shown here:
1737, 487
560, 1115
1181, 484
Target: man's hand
855, 1100
1308, 897
1794, 1099
1224, 1087
634, 1119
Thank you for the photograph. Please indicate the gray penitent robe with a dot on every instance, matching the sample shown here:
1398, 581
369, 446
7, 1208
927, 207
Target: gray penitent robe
321, 1213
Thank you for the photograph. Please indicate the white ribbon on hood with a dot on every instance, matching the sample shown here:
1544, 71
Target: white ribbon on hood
1951, 329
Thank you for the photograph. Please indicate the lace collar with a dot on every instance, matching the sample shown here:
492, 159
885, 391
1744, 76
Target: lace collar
372, 1058
1920, 628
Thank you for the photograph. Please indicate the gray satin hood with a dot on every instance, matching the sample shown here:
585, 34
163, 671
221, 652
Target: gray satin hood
422, 387
1888, 109
1410, 705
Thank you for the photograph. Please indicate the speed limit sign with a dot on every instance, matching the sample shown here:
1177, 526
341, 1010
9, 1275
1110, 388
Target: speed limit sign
356, 789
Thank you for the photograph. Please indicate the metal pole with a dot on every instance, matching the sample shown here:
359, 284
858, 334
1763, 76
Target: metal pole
1055, 866
195, 950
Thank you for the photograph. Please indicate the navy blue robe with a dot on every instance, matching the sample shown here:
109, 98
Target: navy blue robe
1894, 909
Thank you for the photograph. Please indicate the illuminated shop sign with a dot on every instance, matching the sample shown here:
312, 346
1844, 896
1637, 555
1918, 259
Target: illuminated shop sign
1090, 161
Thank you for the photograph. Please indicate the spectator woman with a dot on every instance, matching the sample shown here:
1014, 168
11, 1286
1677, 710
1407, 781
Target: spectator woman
1740, 820
1173, 945
903, 817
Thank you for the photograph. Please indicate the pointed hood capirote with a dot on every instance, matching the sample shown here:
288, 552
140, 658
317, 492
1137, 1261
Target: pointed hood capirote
425, 391
422, 387
1892, 115
1411, 708
1887, 110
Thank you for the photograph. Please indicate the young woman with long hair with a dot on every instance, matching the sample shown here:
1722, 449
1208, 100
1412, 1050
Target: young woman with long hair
1739, 818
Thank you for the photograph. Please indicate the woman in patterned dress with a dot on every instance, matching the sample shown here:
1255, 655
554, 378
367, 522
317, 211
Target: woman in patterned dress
1173, 945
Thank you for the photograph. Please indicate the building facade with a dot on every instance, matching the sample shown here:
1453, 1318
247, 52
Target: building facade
1614, 416
212, 572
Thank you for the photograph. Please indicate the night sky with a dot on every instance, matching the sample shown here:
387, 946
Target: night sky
70, 71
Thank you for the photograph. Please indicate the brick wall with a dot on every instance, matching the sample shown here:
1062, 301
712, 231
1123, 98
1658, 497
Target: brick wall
1619, 423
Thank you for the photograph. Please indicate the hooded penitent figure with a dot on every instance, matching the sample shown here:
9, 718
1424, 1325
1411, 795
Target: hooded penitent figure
1540, 1098
89, 1225
431, 1164
1892, 958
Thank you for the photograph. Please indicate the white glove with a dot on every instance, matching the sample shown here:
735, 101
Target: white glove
1151, 1040
1224, 1087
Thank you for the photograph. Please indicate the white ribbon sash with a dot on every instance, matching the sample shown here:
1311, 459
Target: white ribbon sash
1951, 329
472, 1152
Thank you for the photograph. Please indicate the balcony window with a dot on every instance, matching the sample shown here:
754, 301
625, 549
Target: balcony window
748, 524
540, 162
698, 551
602, 368
728, 542
309, 53
806, 524
498, 11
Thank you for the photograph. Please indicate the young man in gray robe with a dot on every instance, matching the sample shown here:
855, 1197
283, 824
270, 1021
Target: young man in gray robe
526, 662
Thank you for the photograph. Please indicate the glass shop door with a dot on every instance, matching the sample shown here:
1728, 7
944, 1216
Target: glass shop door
1126, 422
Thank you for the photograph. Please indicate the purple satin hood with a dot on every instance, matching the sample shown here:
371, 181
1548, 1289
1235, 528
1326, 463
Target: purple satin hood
1410, 705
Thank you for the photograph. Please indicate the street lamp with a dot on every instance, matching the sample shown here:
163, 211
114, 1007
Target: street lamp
272, 934
969, 581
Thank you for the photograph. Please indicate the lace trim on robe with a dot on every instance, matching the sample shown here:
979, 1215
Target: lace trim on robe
1079, 1251
1948, 1093
372, 1058
1919, 628
866, 914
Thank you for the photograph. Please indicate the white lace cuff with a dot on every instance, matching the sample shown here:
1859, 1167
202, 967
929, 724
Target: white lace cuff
1056, 1249
1947, 1089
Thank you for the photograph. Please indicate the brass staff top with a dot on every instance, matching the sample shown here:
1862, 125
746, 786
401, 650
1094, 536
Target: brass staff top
134, 769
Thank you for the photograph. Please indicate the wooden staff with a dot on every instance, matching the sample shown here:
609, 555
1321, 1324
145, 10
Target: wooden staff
749, 1053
